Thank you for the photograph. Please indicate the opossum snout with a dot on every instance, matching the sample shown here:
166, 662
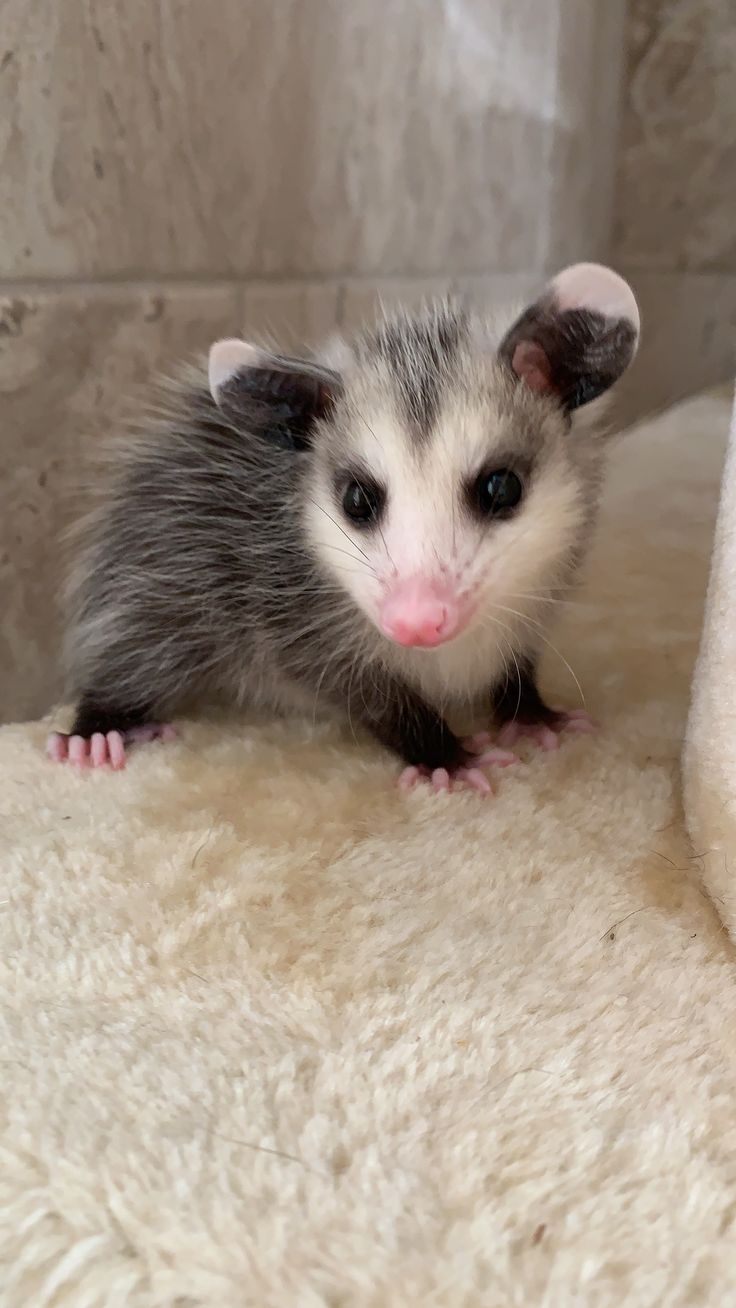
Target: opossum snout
421, 611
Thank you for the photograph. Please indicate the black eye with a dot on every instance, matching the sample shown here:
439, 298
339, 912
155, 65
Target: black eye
497, 493
361, 501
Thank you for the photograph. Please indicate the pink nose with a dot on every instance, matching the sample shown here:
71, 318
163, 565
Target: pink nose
419, 612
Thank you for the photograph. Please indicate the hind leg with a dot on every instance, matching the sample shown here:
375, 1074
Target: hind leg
100, 735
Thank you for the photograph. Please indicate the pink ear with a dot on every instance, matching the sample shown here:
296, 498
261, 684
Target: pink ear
577, 338
595, 287
531, 365
226, 359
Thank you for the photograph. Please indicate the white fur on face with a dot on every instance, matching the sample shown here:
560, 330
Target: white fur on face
500, 572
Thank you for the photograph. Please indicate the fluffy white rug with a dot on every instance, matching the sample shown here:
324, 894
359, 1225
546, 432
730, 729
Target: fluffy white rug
277, 1035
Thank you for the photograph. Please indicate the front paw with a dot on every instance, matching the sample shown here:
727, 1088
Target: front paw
467, 773
546, 732
101, 748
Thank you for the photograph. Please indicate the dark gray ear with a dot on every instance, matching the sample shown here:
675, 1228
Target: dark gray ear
579, 336
281, 396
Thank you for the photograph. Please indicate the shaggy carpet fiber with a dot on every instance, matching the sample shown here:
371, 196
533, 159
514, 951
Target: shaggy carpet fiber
277, 1035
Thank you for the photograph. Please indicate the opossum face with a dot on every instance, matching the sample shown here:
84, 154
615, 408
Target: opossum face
434, 535
449, 486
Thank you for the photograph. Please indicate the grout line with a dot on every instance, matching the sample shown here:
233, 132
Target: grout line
340, 286
10, 286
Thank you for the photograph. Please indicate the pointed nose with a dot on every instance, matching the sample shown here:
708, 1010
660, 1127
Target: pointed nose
419, 612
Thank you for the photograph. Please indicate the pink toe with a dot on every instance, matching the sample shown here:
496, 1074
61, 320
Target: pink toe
475, 744
141, 735
500, 758
78, 751
409, 778
548, 739
98, 750
116, 750
440, 779
150, 731
56, 747
474, 778
582, 725
509, 733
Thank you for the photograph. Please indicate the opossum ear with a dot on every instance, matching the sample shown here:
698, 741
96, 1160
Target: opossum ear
283, 397
579, 336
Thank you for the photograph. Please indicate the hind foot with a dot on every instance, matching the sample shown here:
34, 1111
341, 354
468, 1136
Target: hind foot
546, 732
101, 747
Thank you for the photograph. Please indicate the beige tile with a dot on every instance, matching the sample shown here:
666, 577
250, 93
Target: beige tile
494, 293
364, 302
582, 155
499, 293
290, 315
688, 338
677, 171
298, 138
69, 364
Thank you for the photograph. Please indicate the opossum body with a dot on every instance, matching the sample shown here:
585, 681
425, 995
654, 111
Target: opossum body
380, 530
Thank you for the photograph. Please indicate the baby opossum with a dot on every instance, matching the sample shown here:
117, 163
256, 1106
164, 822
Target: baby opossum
380, 529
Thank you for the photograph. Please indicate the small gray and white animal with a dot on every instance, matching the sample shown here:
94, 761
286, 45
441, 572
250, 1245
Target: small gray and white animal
381, 529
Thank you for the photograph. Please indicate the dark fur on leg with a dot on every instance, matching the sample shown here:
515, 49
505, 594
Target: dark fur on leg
404, 723
519, 700
94, 715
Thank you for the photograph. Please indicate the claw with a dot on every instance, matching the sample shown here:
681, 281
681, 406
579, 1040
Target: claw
116, 750
485, 753
98, 750
78, 751
56, 746
440, 779
476, 779
409, 778
584, 726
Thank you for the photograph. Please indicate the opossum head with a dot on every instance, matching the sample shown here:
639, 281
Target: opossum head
449, 477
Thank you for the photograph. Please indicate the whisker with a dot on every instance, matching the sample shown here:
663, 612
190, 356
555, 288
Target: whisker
349, 699
363, 419
552, 599
505, 627
335, 523
354, 557
388, 552
380, 529
327, 664
538, 631
368, 427
353, 572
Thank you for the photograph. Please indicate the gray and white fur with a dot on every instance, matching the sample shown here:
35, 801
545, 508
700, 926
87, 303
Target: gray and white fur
343, 531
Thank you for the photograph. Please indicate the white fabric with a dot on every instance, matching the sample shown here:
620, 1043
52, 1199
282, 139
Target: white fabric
709, 761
